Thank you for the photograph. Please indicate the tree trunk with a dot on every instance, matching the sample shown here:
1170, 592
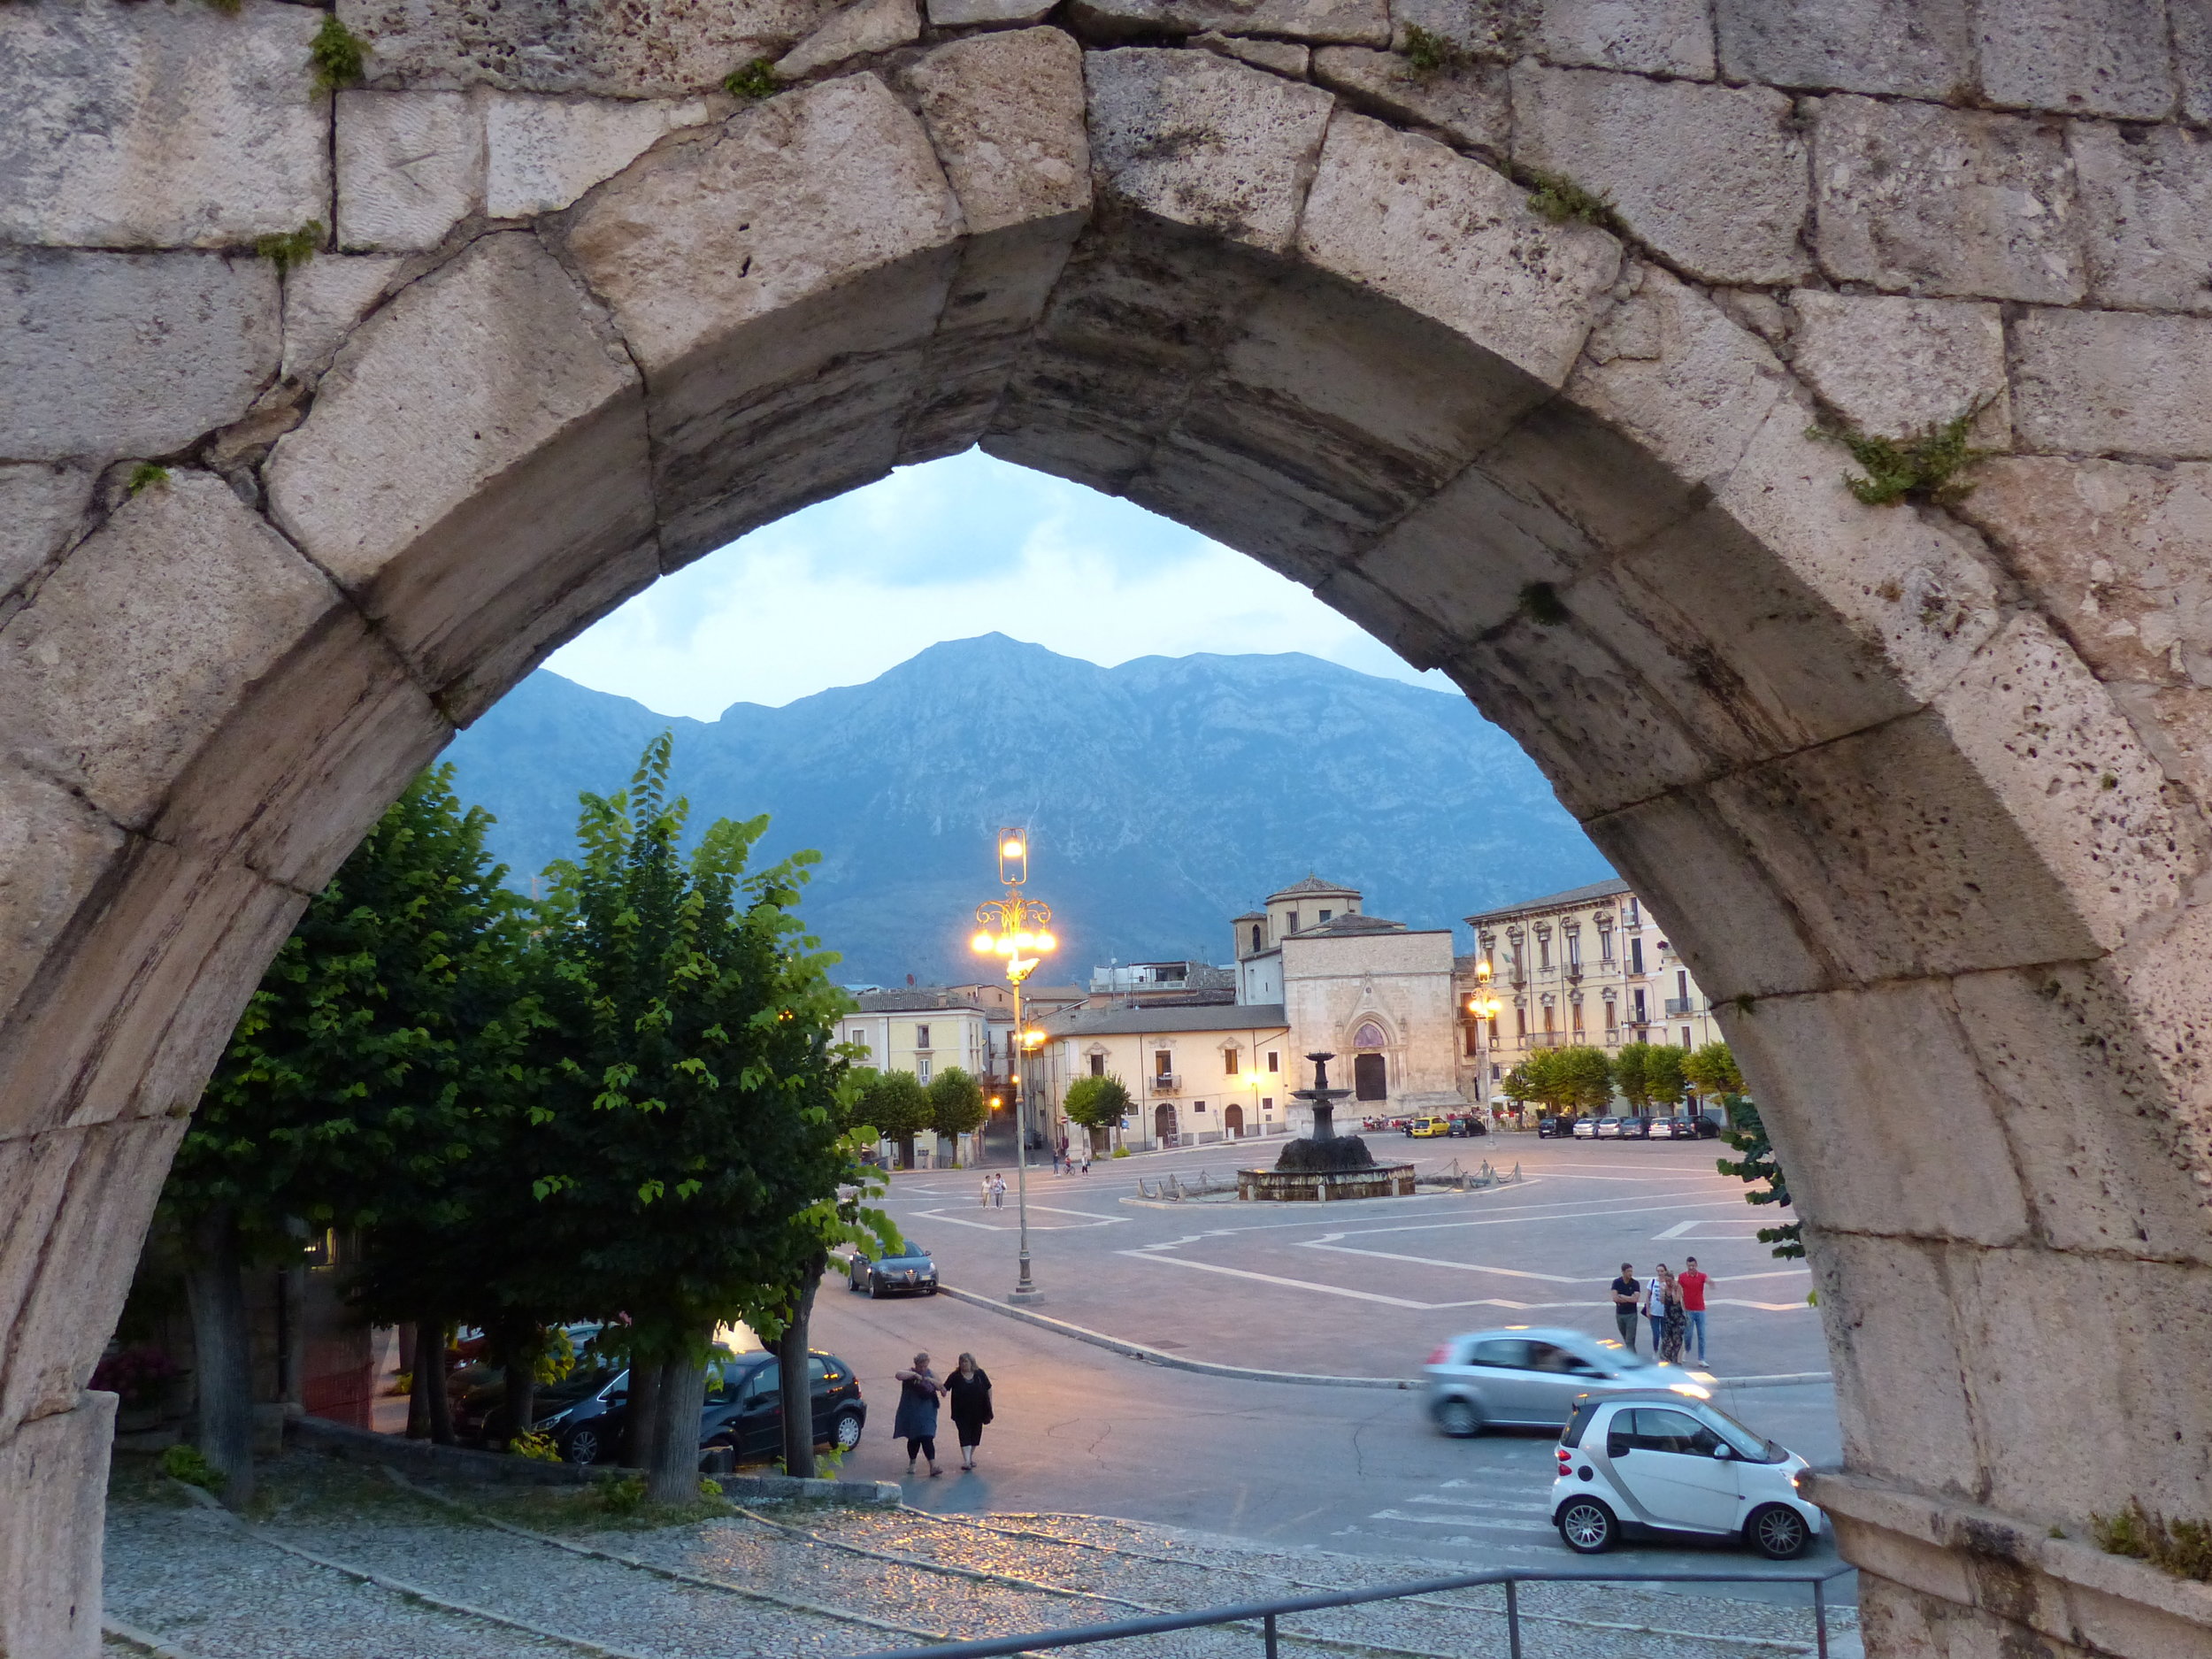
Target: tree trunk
222, 1341
672, 1476
645, 1412
798, 1387
520, 1346
430, 1399
906, 1152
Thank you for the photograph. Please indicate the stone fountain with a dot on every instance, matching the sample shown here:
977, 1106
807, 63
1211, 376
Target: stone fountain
1326, 1165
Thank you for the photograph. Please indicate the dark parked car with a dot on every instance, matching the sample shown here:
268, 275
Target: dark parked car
910, 1272
1470, 1126
1687, 1126
588, 1414
1554, 1126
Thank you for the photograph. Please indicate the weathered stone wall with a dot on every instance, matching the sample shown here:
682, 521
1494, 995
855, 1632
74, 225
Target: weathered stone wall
1920, 790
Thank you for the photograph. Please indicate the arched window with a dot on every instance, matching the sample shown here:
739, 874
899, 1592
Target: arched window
1256, 935
1370, 1035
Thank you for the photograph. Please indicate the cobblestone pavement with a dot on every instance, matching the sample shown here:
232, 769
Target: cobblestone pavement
400, 1574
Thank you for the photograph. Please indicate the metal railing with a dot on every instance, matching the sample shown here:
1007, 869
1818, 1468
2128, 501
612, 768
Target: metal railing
1267, 1613
1677, 1006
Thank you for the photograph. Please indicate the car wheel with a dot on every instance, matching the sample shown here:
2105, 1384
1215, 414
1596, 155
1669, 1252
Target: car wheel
1459, 1419
1777, 1532
932, 1291
845, 1431
582, 1447
875, 1288
1587, 1527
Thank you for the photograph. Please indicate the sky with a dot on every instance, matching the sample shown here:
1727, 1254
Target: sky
836, 594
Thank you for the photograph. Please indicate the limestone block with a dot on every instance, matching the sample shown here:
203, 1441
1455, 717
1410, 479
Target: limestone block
1891, 1311
1005, 112
1712, 178
1935, 201
325, 298
2147, 214
2192, 58
2087, 1113
411, 167
1281, 58
1671, 37
1456, 241
1202, 142
1721, 905
134, 651
475, 452
811, 235
1913, 48
53, 1492
1890, 1127
863, 27
1668, 367
2112, 382
652, 49
1894, 823
1898, 366
41, 507
1345, 22
104, 354
54, 848
1493, 28
2079, 57
2076, 781
151, 126
2119, 556
541, 153
1470, 104
957, 14
2161, 971
1913, 587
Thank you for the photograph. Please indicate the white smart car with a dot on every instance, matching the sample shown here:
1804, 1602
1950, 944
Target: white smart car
1654, 1463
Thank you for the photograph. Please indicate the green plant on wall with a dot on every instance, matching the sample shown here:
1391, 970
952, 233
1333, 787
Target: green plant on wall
1561, 200
287, 249
145, 475
337, 55
2181, 1547
755, 80
1924, 467
1429, 53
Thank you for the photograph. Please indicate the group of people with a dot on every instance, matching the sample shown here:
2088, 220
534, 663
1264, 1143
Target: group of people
995, 1191
1067, 1162
1673, 1303
967, 1391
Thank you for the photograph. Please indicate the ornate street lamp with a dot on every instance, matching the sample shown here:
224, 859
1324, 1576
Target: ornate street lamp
1018, 930
1484, 1006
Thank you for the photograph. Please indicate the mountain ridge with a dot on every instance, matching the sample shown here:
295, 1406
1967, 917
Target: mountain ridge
1165, 794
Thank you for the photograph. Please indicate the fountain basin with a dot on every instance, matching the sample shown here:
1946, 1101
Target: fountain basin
1376, 1180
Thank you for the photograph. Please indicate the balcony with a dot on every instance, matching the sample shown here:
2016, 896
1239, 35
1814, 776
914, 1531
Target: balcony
1681, 1007
1166, 1083
1548, 1040
1573, 972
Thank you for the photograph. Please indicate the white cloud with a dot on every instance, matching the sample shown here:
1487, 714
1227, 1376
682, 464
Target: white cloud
836, 594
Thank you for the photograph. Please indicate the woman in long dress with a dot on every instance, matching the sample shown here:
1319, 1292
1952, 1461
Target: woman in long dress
1674, 1327
917, 1420
969, 1389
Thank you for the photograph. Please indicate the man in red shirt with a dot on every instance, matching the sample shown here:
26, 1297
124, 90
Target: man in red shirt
1692, 1278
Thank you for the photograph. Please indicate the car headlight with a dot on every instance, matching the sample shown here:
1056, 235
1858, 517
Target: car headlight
554, 1421
1692, 1389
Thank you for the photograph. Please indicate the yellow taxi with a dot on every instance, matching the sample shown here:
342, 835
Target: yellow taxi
1429, 1128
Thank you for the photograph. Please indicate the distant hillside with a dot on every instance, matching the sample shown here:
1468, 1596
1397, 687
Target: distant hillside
1165, 795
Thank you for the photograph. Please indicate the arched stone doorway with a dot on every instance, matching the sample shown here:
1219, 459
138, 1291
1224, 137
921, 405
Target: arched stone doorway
1232, 1120
1919, 790
1371, 1077
1163, 1124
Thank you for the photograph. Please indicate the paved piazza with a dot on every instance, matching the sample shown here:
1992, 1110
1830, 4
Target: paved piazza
1365, 1288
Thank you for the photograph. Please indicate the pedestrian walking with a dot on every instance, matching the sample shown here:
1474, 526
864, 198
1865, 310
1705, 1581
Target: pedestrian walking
1067, 1164
987, 1190
1693, 1280
916, 1421
1654, 1305
969, 1391
1087, 1158
1674, 1324
1626, 1292
998, 1192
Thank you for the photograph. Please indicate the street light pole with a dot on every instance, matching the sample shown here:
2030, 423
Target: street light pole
1018, 929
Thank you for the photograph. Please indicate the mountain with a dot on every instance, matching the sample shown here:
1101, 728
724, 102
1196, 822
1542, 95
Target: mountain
1163, 796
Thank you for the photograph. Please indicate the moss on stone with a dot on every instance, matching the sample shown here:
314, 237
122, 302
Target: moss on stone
755, 80
293, 248
1560, 199
337, 55
1541, 603
1923, 467
1429, 53
145, 474
2181, 1547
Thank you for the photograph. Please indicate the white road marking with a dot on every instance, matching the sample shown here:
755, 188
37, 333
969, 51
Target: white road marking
1011, 1221
1485, 1503
1460, 1521
1688, 1229
1150, 1252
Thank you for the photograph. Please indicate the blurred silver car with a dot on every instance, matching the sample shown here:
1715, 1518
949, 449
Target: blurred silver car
1525, 1376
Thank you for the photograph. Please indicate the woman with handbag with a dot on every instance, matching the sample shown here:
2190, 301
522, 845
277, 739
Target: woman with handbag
969, 1389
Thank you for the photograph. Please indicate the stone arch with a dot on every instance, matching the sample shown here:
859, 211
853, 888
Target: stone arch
1928, 821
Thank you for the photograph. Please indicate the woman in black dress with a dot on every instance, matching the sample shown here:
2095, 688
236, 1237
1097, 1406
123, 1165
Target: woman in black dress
916, 1421
969, 1389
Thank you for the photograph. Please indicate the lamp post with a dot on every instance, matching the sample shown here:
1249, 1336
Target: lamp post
1484, 1006
1018, 930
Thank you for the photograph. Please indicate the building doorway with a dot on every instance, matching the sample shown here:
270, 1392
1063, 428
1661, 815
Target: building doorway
1164, 1124
1232, 1120
1371, 1077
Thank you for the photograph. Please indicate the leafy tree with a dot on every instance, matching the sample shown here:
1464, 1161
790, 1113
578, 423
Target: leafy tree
1535, 1080
1583, 1078
689, 1128
352, 1088
1711, 1070
955, 1103
1757, 1168
1096, 1102
896, 1106
1649, 1075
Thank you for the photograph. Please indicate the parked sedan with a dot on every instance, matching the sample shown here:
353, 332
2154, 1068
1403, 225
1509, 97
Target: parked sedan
1653, 1462
1607, 1129
909, 1271
1587, 1128
1635, 1126
1468, 1128
1558, 1126
1532, 1377
741, 1422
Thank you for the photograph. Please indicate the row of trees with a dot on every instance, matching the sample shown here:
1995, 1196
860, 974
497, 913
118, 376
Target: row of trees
899, 1106
623, 1102
1647, 1075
